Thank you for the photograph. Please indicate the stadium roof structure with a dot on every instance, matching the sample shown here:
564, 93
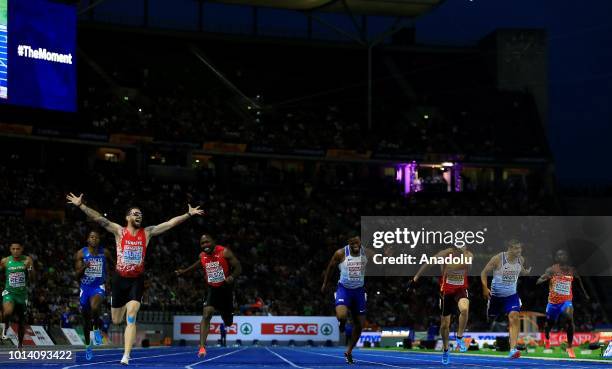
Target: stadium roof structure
397, 8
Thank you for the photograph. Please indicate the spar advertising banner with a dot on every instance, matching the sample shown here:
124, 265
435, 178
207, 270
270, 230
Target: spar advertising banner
263, 328
579, 338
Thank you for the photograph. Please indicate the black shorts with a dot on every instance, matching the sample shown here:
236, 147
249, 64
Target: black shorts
449, 302
126, 290
221, 298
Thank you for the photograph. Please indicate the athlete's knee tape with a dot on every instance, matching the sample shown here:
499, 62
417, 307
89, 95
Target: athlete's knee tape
131, 319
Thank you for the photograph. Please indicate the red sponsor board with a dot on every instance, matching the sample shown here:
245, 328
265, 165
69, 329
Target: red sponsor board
579, 338
290, 328
215, 328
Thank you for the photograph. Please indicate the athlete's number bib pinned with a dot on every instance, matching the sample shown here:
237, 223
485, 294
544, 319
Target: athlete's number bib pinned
214, 272
563, 287
354, 270
94, 269
456, 279
17, 280
132, 255
509, 277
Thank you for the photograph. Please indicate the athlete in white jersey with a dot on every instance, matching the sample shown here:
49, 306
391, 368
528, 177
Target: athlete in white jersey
350, 295
502, 297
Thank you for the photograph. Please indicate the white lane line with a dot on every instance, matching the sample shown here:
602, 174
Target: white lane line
363, 361
190, 366
286, 360
477, 358
114, 361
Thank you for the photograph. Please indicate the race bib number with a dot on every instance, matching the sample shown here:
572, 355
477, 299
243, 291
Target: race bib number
17, 279
94, 270
563, 288
509, 277
455, 279
354, 269
214, 272
132, 255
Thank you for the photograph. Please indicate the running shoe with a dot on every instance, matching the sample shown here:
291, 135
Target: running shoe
125, 360
570, 352
97, 337
547, 344
89, 352
349, 358
514, 354
461, 344
202, 351
445, 357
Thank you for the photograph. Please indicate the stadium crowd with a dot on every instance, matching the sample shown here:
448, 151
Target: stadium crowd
283, 228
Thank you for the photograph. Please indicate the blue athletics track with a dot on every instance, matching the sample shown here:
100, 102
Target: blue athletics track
294, 357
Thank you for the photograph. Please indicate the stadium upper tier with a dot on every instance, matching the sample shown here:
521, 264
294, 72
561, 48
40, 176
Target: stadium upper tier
404, 8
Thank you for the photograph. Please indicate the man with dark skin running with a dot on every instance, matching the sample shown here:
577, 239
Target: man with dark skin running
560, 308
221, 268
91, 267
19, 272
128, 282
350, 294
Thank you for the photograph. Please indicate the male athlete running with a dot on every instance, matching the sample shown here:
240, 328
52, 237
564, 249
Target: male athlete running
91, 266
19, 271
128, 282
350, 294
453, 297
560, 308
221, 268
502, 297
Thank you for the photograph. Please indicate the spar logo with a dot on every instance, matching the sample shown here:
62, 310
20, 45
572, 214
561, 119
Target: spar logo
215, 328
326, 329
246, 328
302, 329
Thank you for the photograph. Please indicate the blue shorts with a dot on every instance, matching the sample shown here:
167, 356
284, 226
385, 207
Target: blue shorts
503, 305
87, 292
353, 299
554, 310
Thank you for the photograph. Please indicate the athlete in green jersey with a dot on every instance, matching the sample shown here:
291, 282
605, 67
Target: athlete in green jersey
19, 270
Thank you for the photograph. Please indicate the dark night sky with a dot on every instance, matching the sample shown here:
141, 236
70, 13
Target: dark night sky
580, 69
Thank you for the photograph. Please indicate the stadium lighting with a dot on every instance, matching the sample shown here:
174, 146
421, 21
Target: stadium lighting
426, 116
139, 110
197, 160
447, 164
126, 98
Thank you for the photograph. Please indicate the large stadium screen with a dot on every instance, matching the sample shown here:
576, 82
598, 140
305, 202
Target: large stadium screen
37, 54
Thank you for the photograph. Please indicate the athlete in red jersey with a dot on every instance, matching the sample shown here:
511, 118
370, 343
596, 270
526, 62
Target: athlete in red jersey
453, 296
560, 295
128, 281
221, 268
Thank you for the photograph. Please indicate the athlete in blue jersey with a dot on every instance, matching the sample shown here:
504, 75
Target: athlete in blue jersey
350, 295
91, 267
503, 299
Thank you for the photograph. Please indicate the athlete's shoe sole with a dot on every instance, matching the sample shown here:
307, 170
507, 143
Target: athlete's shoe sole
514, 355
